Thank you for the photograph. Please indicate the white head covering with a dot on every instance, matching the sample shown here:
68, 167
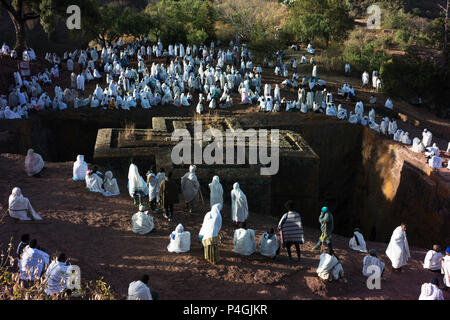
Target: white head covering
134, 179
16, 194
212, 223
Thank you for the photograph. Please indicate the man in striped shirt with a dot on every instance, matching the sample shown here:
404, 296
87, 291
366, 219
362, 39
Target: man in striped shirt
291, 230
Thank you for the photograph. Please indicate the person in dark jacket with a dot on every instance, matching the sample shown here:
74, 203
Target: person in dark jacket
168, 193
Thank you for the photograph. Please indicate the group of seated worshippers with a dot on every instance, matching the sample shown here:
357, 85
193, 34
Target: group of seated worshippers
60, 275
33, 163
439, 263
139, 290
19, 207
107, 186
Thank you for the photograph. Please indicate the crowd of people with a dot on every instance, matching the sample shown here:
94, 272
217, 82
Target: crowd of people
215, 74
163, 193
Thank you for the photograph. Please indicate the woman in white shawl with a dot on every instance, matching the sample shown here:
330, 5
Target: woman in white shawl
431, 291
94, 182
398, 248
33, 163
19, 206
32, 262
79, 169
239, 205
142, 222
139, 290
137, 188
190, 187
216, 194
180, 240
110, 185
357, 242
209, 233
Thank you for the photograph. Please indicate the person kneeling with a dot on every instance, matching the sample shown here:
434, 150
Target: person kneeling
57, 275
180, 240
244, 241
270, 245
329, 267
142, 222
139, 290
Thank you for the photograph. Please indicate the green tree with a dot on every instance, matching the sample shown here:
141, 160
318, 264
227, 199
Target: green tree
47, 11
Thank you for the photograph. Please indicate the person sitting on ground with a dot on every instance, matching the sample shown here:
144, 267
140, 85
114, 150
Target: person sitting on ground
24, 241
357, 242
291, 229
93, 181
110, 185
142, 222
330, 267
20, 207
57, 275
370, 261
435, 162
79, 169
32, 262
432, 259
239, 205
139, 290
270, 245
389, 104
244, 240
431, 291
168, 192
180, 240
33, 163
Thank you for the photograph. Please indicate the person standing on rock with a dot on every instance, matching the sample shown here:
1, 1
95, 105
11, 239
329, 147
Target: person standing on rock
398, 248
326, 226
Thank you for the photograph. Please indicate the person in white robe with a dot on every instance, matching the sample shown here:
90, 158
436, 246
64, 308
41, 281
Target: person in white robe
142, 222
389, 104
137, 188
431, 291
80, 82
139, 290
19, 207
216, 192
239, 205
357, 242
370, 261
417, 146
244, 241
330, 267
33, 163
190, 187
432, 151
270, 244
180, 240
398, 248
427, 137
445, 267
209, 233
435, 162
110, 185
94, 182
57, 275
80, 168
153, 185
32, 262
433, 258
